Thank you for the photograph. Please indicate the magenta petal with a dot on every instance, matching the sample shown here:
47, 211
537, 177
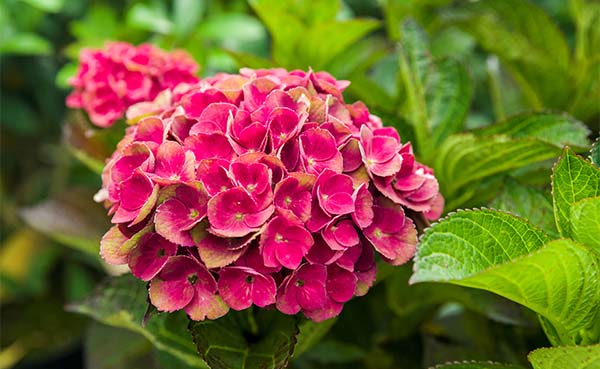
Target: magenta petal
242, 286
254, 178
214, 118
175, 286
173, 220
310, 286
395, 240
284, 243
363, 207
229, 213
170, 295
170, 159
345, 233
287, 302
329, 310
150, 256
283, 124
135, 191
321, 253
217, 252
317, 144
340, 283
213, 175
351, 155
205, 305
290, 195
349, 257
235, 287
209, 146
110, 247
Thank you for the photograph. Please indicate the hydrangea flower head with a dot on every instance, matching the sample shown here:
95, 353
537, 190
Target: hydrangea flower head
260, 188
113, 78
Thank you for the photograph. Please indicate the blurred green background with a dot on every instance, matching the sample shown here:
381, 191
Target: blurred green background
519, 55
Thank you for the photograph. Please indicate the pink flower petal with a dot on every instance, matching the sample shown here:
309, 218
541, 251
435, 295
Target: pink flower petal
150, 256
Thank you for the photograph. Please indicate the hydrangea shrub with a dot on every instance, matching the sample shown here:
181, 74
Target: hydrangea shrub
260, 188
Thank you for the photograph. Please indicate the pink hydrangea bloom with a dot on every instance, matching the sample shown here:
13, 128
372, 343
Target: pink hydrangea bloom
262, 188
120, 75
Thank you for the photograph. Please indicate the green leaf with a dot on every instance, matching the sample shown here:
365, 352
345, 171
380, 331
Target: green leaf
557, 129
64, 75
72, 218
323, 42
250, 60
121, 302
573, 357
573, 179
285, 29
526, 41
50, 6
476, 365
414, 70
246, 340
409, 300
310, 333
595, 153
465, 158
25, 44
149, 18
469, 241
448, 99
585, 221
503, 254
586, 15
186, 15
108, 347
528, 202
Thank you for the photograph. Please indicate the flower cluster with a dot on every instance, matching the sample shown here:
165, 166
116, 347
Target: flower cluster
261, 188
120, 75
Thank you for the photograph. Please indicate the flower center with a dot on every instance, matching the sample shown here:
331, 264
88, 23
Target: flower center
288, 200
251, 187
378, 233
239, 216
194, 213
160, 253
311, 162
279, 238
299, 283
193, 278
249, 279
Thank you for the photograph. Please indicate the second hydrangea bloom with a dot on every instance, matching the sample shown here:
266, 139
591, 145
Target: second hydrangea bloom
261, 188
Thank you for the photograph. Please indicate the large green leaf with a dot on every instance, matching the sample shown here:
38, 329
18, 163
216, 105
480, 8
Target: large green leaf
574, 179
108, 347
466, 158
121, 302
585, 221
309, 36
407, 300
528, 202
469, 241
448, 99
504, 254
527, 42
595, 153
476, 365
246, 340
310, 333
321, 43
557, 129
573, 357
438, 92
